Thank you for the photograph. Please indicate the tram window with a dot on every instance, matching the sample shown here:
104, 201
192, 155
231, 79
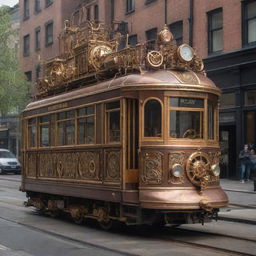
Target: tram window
32, 132
44, 131
186, 118
113, 121
86, 134
153, 119
210, 121
66, 128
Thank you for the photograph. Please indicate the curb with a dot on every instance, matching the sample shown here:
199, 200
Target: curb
240, 191
246, 221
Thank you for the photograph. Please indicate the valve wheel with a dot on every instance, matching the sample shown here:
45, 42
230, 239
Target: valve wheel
197, 168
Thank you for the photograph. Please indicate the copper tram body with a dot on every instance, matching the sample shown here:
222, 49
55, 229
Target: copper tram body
140, 147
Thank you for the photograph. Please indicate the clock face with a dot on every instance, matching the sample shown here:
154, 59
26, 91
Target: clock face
186, 53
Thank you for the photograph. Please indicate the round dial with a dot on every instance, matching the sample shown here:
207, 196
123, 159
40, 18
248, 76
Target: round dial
97, 53
185, 52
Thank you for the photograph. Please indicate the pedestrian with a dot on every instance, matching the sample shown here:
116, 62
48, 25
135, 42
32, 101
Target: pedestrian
245, 161
253, 161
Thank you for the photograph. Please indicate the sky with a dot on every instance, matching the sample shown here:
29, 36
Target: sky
8, 2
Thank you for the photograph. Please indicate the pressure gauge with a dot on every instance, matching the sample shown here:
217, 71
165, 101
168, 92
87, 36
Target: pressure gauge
185, 53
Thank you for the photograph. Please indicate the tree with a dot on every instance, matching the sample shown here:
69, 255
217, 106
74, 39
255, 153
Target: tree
14, 87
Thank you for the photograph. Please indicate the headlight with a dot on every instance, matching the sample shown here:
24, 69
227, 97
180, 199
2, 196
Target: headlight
177, 170
215, 170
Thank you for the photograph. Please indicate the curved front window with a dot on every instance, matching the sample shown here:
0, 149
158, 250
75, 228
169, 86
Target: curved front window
153, 119
186, 118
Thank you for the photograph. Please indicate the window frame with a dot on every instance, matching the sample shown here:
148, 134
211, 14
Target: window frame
177, 23
26, 10
211, 31
160, 138
82, 117
202, 112
96, 12
46, 25
130, 6
28, 133
245, 19
38, 39
106, 112
37, 6
48, 3
26, 50
40, 124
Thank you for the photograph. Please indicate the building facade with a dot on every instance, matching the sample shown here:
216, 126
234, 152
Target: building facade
223, 32
41, 21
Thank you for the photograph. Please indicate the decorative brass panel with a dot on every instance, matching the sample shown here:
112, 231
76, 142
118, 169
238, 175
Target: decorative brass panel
112, 159
152, 170
176, 158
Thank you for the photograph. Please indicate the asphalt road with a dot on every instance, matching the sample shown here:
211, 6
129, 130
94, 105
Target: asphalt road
23, 231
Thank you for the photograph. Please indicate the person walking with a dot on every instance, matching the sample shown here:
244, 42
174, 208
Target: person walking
245, 161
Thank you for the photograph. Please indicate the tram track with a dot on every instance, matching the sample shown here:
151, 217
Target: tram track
162, 235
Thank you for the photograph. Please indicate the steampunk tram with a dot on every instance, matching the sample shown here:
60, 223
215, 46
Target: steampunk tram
125, 135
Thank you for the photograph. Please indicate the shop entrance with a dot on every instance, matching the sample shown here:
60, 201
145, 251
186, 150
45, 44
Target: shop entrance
228, 151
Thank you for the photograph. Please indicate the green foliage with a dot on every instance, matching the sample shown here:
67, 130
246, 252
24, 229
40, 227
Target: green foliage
14, 88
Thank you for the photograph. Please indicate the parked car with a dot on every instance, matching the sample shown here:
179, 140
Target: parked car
8, 162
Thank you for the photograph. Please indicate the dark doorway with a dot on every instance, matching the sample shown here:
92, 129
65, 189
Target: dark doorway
228, 151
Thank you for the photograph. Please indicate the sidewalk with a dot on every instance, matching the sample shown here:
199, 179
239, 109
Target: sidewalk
242, 202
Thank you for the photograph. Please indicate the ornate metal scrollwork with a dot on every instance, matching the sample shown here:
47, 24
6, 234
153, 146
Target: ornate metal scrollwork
88, 165
198, 169
113, 165
176, 158
152, 172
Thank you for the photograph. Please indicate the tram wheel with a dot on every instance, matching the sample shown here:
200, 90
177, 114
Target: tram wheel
78, 220
54, 214
106, 225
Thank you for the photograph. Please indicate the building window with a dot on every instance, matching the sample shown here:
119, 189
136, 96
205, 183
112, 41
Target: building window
250, 98
153, 119
133, 40
37, 38
151, 36
76, 17
177, 30
38, 70
26, 9
28, 75
26, 42
48, 3
149, 1
130, 6
228, 100
113, 121
96, 12
215, 31
88, 13
49, 33
249, 22
37, 6
250, 134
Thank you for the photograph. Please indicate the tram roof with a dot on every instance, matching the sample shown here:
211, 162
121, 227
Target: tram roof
147, 80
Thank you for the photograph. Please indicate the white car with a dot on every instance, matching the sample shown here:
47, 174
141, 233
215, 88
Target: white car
8, 162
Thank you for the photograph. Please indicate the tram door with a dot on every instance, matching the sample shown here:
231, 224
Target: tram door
132, 131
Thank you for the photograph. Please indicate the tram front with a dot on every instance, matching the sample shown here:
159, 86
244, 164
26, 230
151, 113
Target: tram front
179, 148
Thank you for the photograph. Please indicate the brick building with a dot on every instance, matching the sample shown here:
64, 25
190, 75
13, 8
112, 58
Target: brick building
223, 32
41, 21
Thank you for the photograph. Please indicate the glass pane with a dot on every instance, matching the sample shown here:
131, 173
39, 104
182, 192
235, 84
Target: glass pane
113, 105
70, 114
86, 130
70, 133
186, 102
153, 119
32, 135
44, 119
252, 30
186, 124
61, 137
62, 115
210, 121
114, 126
217, 40
250, 97
228, 100
250, 127
44, 136
251, 10
217, 20
86, 111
